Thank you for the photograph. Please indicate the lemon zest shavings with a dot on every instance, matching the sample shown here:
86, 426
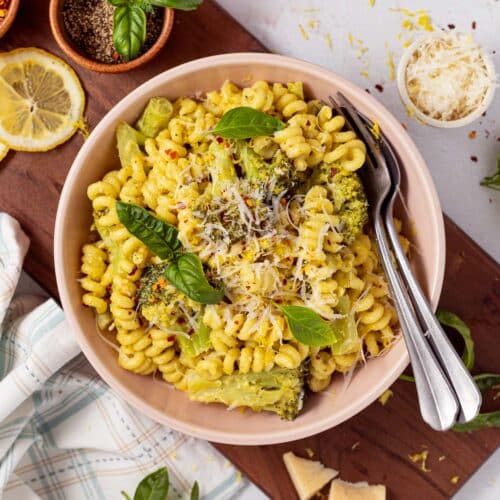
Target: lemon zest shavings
303, 32
384, 399
328, 40
313, 24
422, 458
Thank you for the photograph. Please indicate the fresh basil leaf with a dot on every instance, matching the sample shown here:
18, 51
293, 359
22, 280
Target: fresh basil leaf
177, 4
245, 123
447, 318
493, 181
187, 275
125, 495
159, 236
487, 381
482, 421
129, 30
118, 3
308, 327
195, 492
197, 343
154, 486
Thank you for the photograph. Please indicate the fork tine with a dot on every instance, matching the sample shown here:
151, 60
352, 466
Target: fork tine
360, 125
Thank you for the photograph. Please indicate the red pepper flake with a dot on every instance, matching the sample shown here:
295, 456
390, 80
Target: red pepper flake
181, 321
333, 171
472, 134
474, 24
115, 56
171, 338
404, 126
473, 158
451, 26
379, 87
308, 123
219, 140
134, 269
227, 144
172, 154
318, 356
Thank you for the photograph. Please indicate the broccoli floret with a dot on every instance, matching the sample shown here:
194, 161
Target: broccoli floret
161, 303
221, 168
279, 390
348, 195
273, 176
155, 116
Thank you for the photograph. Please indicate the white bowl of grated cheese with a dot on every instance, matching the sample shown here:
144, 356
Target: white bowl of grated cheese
446, 80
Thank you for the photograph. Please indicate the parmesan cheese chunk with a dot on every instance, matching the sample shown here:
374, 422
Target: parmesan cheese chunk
308, 476
342, 490
447, 77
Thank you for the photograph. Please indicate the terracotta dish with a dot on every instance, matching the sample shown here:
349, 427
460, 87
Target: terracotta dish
69, 48
159, 400
7, 21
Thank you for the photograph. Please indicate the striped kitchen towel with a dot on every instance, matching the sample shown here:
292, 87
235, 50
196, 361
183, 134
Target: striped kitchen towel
63, 433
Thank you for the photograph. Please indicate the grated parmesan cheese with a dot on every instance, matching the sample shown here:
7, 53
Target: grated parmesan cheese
447, 77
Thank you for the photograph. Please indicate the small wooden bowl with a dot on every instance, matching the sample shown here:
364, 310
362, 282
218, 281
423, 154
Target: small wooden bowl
71, 50
7, 21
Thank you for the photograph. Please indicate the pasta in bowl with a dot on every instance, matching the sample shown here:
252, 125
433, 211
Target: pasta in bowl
230, 254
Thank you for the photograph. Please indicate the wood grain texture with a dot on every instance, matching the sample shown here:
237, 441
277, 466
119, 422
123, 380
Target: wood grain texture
30, 185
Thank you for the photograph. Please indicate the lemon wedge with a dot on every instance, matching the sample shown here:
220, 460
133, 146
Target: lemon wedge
42, 100
4, 149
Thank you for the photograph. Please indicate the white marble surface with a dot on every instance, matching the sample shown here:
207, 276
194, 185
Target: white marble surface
447, 152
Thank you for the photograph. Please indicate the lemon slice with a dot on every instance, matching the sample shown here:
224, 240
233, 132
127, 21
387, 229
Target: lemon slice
42, 100
4, 149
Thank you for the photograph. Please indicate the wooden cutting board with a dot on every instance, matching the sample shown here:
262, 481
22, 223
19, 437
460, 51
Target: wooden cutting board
373, 446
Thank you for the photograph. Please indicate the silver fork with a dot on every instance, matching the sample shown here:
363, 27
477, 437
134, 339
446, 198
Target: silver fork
462, 382
438, 403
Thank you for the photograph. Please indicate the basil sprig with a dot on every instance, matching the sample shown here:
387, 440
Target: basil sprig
129, 29
155, 486
159, 236
195, 492
484, 381
487, 381
447, 318
246, 123
186, 274
177, 4
130, 23
308, 327
185, 270
493, 181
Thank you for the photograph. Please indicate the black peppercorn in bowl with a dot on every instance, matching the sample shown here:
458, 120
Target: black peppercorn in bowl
84, 31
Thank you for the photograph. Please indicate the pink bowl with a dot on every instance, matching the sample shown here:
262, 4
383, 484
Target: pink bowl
160, 401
